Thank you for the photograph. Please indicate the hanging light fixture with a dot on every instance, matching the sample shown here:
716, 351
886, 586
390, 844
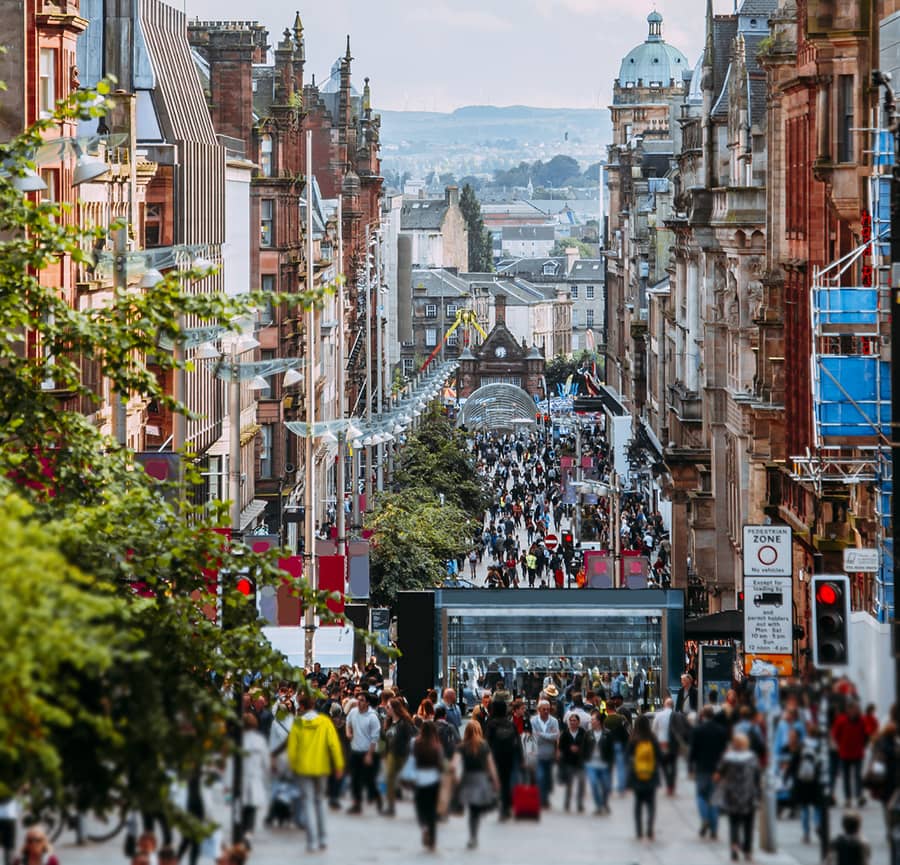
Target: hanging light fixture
152, 277
88, 168
30, 181
259, 383
247, 342
292, 377
207, 351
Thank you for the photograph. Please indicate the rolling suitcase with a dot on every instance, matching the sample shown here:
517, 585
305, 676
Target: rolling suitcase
526, 802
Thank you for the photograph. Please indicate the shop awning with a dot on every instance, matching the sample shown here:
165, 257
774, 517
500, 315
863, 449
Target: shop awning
727, 625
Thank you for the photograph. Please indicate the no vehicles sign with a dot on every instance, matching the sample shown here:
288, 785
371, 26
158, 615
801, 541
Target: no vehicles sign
767, 551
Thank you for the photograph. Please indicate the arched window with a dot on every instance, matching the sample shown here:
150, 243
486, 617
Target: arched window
265, 155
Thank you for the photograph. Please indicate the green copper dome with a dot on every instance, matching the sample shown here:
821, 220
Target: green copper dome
654, 62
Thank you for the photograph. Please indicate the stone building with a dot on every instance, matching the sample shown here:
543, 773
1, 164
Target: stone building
436, 231
500, 359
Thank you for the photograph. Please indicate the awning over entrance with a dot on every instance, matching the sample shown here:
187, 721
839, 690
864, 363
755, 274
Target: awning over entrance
727, 625
497, 407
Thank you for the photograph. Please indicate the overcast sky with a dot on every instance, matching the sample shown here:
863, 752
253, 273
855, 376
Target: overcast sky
437, 55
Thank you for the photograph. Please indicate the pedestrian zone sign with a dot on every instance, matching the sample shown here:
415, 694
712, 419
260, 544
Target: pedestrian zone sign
768, 551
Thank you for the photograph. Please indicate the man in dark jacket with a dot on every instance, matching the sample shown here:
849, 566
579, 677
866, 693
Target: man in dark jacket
708, 743
686, 698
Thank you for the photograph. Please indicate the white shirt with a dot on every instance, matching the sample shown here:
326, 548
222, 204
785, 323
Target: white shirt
661, 721
365, 728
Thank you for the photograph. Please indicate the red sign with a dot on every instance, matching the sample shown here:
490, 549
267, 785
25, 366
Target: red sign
550, 542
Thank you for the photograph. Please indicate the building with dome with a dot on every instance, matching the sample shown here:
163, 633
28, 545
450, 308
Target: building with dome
654, 79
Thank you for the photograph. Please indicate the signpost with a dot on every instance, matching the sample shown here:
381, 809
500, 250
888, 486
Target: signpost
768, 626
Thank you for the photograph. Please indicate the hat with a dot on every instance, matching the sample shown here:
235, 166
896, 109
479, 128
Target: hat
551, 691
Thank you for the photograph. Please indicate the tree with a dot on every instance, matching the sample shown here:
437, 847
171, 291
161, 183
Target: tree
437, 505
559, 171
481, 251
119, 678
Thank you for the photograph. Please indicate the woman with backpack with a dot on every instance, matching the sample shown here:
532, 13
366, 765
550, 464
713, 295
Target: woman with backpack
804, 776
506, 748
644, 758
737, 794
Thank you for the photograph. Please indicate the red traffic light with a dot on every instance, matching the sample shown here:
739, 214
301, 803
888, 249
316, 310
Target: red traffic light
567, 537
244, 586
827, 593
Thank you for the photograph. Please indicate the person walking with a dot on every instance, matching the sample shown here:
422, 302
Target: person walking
429, 757
662, 730
398, 734
644, 759
478, 782
364, 733
36, 849
545, 729
255, 774
506, 749
314, 753
574, 748
709, 741
804, 774
849, 848
738, 778
850, 737
598, 766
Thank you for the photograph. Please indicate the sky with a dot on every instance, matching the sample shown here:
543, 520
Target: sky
438, 55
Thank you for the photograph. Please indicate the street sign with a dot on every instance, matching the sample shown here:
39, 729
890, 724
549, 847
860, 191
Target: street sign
767, 551
861, 560
768, 624
551, 542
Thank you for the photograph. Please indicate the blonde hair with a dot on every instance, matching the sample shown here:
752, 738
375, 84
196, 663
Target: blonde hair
472, 737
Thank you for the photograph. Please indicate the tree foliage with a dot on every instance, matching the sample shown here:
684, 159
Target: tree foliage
116, 675
415, 534
559, 369
481, 252
560, 247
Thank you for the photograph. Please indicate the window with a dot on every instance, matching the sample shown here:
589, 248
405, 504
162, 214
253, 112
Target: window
845, 118
430, 337
430, 310
266, 392
453, 339
152, 225
267, 284
589, 320
265, 156
452, 309
266, 222
590, 292
48, 175
265, 451
47, 81
407, 366
574, 292
574, 318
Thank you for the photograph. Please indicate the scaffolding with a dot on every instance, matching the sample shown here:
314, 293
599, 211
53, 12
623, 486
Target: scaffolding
850, 370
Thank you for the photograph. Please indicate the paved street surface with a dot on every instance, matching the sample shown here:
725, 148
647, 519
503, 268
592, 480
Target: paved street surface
558, 837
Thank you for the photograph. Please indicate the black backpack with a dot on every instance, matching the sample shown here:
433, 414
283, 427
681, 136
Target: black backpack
505, 738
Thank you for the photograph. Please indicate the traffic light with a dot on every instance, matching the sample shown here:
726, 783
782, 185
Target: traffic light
246, 586
567, 540
831, 620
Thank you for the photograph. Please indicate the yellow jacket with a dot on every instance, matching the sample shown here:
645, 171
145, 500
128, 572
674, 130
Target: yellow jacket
313, 746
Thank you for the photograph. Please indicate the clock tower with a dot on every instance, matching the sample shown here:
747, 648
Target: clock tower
501, 360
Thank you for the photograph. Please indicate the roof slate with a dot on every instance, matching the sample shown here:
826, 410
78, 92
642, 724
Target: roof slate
423, 214
528, 232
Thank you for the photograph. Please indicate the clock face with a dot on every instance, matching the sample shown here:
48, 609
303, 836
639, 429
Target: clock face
500, 351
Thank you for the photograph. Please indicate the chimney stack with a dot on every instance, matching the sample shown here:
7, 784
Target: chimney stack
451, 195
500, 309
571, 257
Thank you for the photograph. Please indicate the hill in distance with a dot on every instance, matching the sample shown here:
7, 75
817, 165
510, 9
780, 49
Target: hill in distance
479, 124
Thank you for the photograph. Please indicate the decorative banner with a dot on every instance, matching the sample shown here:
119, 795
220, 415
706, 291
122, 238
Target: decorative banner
331, 579
289, 609
358, 569
598, 570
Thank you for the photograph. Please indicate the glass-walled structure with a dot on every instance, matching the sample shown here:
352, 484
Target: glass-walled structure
522, 636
